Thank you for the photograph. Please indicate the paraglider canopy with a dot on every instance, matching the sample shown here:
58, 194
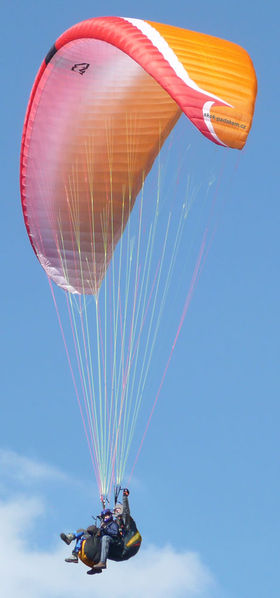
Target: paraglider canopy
106, 97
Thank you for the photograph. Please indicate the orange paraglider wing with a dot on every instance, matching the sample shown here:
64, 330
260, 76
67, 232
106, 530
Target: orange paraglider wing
104, 100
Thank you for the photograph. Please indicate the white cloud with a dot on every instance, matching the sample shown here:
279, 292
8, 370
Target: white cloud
24, 469
29, 573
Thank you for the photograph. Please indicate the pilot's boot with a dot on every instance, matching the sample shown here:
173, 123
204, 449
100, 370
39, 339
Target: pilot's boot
67, 538
72, 559
93, 571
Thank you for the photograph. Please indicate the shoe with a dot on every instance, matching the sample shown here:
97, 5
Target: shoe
72, 559
67, 538
93, 571
100, 565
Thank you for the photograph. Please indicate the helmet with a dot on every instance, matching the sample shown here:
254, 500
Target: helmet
107, 515
118, 510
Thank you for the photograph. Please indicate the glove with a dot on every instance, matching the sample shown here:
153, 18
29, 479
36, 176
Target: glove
126, 492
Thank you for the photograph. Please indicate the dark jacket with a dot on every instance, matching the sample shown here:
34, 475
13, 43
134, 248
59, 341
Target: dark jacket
109, 529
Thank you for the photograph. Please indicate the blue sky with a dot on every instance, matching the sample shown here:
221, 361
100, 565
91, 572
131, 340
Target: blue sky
206, 488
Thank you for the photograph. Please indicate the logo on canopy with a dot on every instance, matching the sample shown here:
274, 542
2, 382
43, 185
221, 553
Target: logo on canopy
80, 68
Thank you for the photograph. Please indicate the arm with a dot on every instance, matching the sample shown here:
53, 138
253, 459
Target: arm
126, 509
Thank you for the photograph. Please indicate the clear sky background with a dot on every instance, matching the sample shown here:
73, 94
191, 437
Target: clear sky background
206, 489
